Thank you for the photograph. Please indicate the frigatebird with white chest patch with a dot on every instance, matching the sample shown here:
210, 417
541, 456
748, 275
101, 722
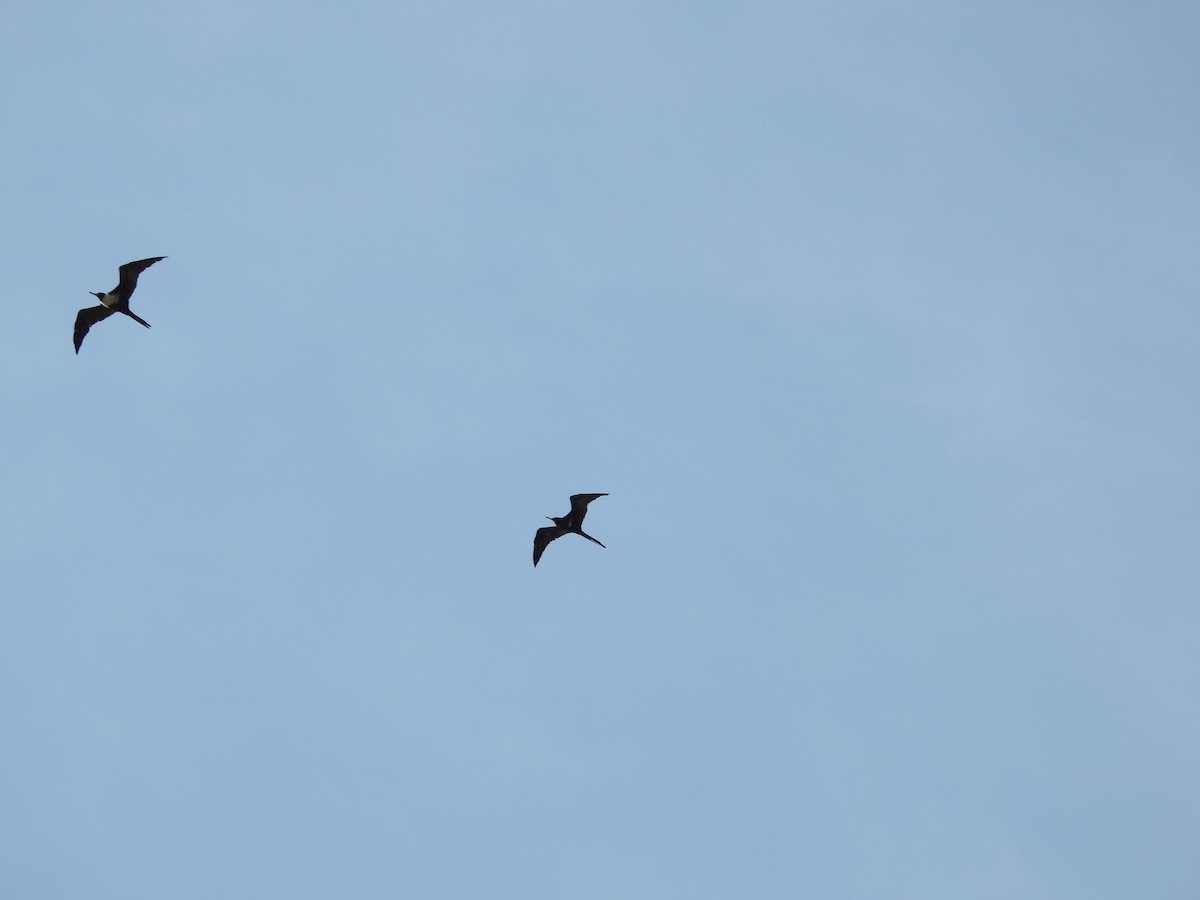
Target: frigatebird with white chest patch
115, 301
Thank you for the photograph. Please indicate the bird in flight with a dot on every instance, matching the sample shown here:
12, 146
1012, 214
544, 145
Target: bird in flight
571, 523
115, 301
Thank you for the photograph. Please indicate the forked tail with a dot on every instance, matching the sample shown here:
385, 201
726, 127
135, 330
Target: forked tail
136, 317
590, 538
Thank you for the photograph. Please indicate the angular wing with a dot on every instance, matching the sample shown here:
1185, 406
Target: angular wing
130, 272
86, 319
542, 539
579, 504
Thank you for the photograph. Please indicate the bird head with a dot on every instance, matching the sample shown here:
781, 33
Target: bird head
97, 295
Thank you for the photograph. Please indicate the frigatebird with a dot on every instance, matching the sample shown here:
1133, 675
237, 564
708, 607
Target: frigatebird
571, 523
115, 301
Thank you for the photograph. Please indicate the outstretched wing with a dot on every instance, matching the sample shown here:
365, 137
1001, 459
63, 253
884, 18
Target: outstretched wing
542, 539
579, 504
86, 319
130, 272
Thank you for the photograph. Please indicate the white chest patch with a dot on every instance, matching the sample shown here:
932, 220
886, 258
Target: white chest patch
109, 300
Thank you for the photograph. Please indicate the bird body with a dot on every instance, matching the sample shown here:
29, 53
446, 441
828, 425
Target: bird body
571, 523
114, 301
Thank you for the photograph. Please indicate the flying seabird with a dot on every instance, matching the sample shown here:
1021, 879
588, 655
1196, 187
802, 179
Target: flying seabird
571, 523
115, 301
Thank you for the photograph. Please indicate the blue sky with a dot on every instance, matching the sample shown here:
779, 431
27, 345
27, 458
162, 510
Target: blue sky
878, 323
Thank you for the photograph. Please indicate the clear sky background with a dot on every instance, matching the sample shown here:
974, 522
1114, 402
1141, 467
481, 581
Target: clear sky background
878, 322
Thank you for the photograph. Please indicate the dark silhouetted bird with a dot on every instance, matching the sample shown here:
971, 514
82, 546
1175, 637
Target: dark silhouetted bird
115, 301
571, 523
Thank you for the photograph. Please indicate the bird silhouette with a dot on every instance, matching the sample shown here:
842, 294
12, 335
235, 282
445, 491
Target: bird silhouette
115, 301
571, 523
